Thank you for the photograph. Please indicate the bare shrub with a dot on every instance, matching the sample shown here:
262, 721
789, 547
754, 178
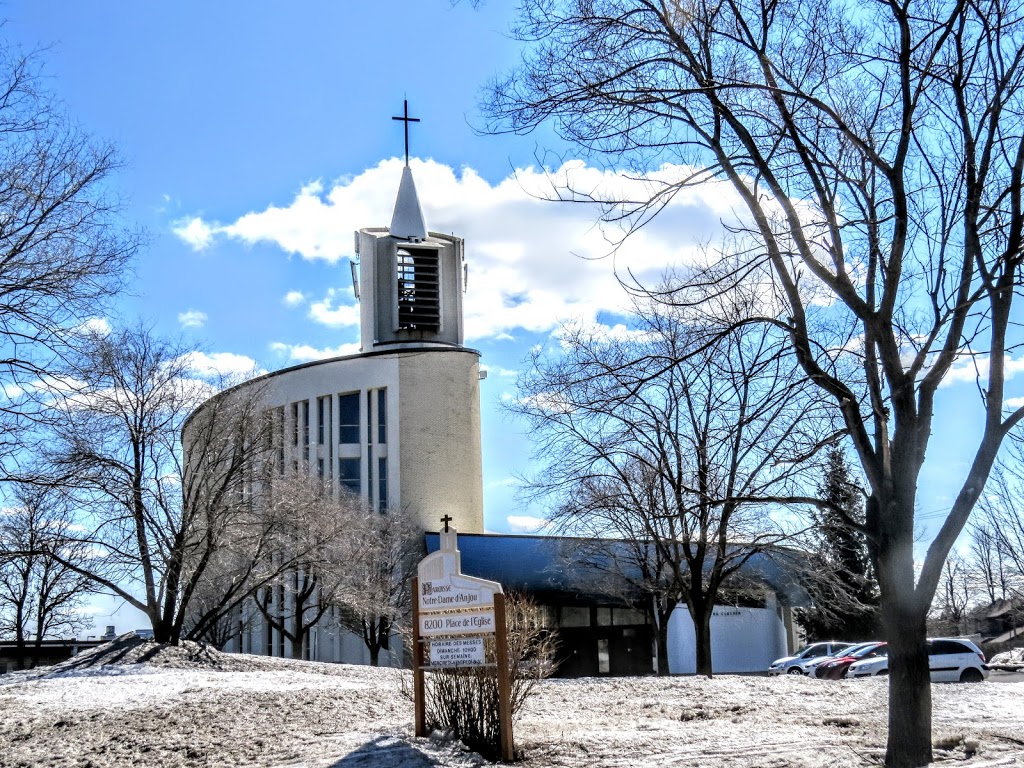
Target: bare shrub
464, 702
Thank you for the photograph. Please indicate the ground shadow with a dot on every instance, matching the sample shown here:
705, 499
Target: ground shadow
386, 752
115, 652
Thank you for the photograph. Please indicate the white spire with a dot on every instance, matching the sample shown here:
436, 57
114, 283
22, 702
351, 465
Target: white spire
407, 222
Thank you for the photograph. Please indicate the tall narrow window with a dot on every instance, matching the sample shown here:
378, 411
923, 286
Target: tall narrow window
321, 419
280, 613
305, 430
419, 289
382, 416
348, 418
348, 475
279, 437
369, 416
295, 423
382, 485
370, 471
268, 429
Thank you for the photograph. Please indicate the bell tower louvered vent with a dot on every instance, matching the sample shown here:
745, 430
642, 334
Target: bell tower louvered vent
418, 280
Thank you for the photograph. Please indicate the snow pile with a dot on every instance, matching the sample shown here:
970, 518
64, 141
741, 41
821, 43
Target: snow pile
1012, 659
133, 702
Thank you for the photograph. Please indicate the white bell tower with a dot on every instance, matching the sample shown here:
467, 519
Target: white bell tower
411, 280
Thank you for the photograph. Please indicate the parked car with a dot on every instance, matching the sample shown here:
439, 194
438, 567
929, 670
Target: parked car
811, 670
834, 667
798, 663
950, 660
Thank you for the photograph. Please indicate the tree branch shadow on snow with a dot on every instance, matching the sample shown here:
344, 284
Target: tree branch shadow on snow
115, 652
392, 751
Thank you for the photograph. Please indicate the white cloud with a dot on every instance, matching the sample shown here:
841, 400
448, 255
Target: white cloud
971, 369
532, 263
525, 523
98, 326
195, 232
192, 318
325, 313
293, 298
221, 364
599, 331
304, 353
495, 370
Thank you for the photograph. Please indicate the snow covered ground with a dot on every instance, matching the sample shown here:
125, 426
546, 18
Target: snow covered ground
128, 704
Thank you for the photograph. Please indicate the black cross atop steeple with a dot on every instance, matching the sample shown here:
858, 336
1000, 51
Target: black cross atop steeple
406, 119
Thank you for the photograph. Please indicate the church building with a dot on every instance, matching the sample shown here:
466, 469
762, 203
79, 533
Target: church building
399, 424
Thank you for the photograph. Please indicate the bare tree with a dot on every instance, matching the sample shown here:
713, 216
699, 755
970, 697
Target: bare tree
155, 518
990, 560
40, 597
315, 527
878, 156
954, 597
998, 534
629, 568
381, 552
677, 444
61, 249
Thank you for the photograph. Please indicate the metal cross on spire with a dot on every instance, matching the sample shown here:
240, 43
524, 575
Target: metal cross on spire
406, 119
446, 519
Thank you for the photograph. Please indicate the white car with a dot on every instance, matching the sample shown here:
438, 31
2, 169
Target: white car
799, 662
950, 660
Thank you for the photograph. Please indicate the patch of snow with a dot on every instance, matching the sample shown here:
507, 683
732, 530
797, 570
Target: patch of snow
141, 704
1011, 659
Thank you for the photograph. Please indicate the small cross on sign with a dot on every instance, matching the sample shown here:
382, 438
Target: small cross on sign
446, 519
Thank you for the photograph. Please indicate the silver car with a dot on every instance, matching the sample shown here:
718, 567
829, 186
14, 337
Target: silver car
798, 663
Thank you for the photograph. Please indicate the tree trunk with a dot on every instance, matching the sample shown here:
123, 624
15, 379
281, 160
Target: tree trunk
904, 623
661, 642
299, 637
700, 613
372, 638
163, 632
659, 614
910, 694
37, 646
702, 635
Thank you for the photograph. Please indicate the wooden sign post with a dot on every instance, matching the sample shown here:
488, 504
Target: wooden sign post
453, 615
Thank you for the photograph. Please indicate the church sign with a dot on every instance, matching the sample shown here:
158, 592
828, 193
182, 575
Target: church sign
462, 623
457, 652
443, 595
455, 619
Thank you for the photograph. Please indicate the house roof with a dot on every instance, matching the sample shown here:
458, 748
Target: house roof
1002, 608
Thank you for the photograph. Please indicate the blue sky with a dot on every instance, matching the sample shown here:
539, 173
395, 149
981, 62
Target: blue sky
257, 136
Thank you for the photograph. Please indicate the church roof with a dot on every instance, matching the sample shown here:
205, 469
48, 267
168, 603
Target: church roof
586, 569
407, 222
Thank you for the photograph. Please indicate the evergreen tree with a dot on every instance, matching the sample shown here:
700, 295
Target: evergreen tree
842, 584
